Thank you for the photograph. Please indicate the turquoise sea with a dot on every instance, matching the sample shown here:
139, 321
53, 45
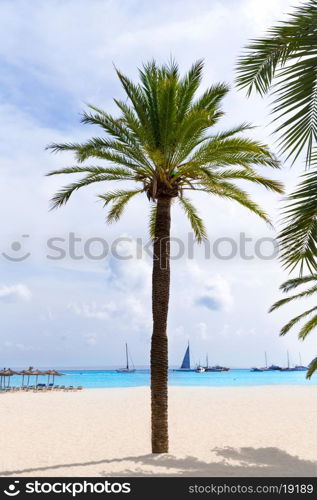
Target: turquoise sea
233, 378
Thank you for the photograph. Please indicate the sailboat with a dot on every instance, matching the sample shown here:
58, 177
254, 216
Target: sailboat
300, 367
127, 368
288, 368
185, 366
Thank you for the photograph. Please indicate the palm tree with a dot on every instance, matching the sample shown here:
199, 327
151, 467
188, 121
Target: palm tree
309, 325
162, 142
287, 58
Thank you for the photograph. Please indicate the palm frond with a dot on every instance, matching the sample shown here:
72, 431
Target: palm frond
62, 196
307, 328
251, 176
231, 192
195, 221
152, 220
119, 199
312, 368
115, 171
295, 282
288, 57
295, 320
187, 89
305, 293
298, 238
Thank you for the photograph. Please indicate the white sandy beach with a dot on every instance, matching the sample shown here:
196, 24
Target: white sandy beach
244, 431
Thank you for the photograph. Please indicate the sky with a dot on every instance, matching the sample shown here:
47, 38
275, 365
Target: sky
72, 289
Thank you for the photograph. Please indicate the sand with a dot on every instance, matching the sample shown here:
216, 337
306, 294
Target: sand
232, 431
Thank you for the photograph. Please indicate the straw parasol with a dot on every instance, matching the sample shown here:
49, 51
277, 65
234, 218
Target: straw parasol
8, 373
28, 372
24, 373
53, 373
38, 373
2, 376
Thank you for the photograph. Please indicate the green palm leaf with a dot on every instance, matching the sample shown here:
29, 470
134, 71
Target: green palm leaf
309, 325
195, 221
287, 56
312, 368
298, 238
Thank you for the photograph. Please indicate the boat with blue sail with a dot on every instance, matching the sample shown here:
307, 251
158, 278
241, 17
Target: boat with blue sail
185, 366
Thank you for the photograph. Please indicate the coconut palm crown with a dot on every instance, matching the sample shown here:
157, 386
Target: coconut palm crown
162, 141
310, 314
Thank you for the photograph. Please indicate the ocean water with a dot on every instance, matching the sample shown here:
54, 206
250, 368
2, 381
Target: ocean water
233, 378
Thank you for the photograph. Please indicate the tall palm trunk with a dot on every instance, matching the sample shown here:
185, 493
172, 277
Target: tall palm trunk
159, 348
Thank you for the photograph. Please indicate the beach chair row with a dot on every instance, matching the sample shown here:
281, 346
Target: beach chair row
42, 388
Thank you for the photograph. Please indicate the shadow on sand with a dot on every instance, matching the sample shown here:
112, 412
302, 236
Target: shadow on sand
247, 462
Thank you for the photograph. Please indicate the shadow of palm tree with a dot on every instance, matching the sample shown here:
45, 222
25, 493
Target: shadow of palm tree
247, 462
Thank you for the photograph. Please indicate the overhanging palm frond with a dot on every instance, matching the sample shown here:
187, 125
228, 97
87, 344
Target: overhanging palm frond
298, 239
289, 54
308, 327
296, 282
306, 293
312, 368
311, 323
286, 328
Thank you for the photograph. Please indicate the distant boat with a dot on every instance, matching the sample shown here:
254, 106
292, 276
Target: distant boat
200, 369
216, 368
185, 366
263, 369
288, 368
300, 367
127, 368
275, 367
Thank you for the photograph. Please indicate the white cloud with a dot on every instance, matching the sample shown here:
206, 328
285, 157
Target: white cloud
214, 290
92, 310
15, 292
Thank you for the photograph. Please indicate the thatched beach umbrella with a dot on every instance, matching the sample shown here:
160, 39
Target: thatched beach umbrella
9, 373
54, 374
23, 373
29, 372
37, 374
2, 377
